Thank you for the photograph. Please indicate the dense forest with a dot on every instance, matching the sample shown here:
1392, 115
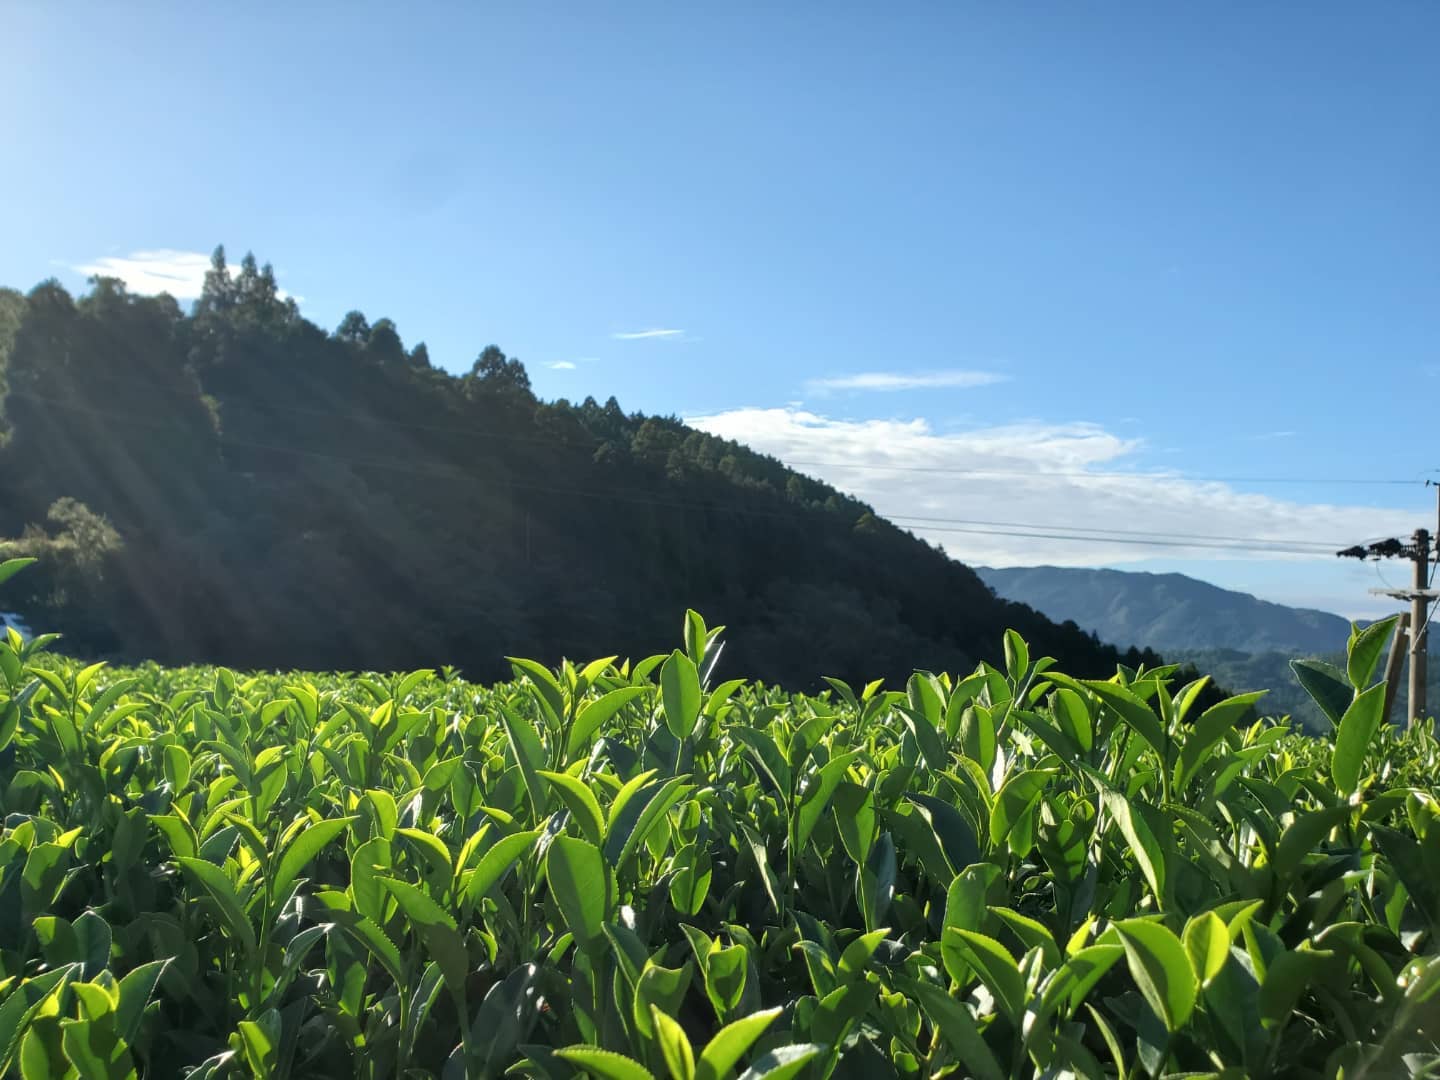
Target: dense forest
235, 484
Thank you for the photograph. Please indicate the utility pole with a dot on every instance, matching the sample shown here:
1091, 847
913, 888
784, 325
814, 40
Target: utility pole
1419, 626
1399, 646
1415, 628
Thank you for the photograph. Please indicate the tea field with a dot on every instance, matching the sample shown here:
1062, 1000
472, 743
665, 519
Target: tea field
628, 869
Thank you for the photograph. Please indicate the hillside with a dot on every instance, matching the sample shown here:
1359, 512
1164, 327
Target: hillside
1271, 671
1169, 612
233, 484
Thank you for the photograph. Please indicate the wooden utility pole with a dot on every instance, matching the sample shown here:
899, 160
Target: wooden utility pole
1399, 646
1419, 625
1414, 627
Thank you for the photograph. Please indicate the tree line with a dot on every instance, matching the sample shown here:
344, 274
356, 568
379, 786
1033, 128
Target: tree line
235, 484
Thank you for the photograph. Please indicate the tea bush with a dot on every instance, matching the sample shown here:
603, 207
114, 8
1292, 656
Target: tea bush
624, 870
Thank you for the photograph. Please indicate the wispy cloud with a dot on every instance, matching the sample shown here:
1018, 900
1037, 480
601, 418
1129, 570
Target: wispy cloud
1265, 436
179, 273
643, 335
561, 365
1067, 479
889, 381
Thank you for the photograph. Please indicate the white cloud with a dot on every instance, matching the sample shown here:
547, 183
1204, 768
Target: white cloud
1265, 436
179, 273
1063, 480
641, 335
561, 365
887, 381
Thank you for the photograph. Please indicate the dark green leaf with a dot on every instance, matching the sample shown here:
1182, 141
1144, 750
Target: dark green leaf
580, 883
1161, 969
957, 1027
1326, 685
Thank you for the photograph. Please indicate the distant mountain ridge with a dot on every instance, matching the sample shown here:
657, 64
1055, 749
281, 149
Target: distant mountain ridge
1168, 612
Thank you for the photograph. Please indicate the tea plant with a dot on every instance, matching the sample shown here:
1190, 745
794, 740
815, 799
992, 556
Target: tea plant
627, 870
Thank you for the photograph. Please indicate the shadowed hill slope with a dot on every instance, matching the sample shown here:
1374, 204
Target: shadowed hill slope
235, 484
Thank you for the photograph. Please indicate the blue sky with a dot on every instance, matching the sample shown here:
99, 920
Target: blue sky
1180, 241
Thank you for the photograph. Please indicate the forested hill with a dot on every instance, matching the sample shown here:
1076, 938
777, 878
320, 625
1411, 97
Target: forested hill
235, 484
1170, 612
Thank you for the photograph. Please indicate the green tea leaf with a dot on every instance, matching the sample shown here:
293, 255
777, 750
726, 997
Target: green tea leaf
1131, 709
305, 847
731, 1043
1207, 940
135, 990
1326, 685
547, 691
580, 883
1031, 934
1302, 836
661, 987
1017, 657
1214, 722
434, 926
496, 861
674, 1045
965, 909
1161, 969
1015, 799
726, 970
816, 799
782, 1062
217, 884
877, 881
632, 820
691, 882
529, 755
23, 1002
1363, 651
261, 1043
581, 802
957, 1027
94, 939
996, 967
605, 1064
856, 957
10, 567
1355, 734
595, 715
953, 833
1143, 844
853, 808
680, 694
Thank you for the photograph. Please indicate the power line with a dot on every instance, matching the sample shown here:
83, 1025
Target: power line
1326, 546
1176, 543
